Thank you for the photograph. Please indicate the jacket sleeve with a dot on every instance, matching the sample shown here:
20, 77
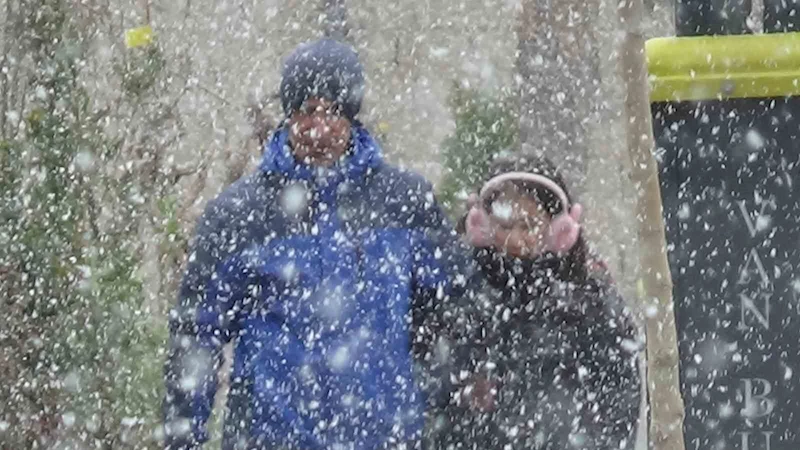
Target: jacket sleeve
614, 381
199, 326
602, 375
441, 271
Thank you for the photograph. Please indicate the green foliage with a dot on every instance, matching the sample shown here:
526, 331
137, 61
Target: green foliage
486, 125
173, 244
141, 69
86, 355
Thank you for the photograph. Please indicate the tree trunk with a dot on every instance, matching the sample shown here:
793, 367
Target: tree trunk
558, 64
667, 411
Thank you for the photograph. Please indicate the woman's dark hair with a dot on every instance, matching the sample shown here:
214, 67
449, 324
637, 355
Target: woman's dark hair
574, 265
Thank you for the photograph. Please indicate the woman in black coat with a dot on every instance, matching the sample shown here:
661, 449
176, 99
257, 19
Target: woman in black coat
554, 349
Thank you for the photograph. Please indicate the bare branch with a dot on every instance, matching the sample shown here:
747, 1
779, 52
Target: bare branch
336, 19
4, 70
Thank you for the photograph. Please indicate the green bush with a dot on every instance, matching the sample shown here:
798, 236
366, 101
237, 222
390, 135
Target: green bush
82, 356
486, 126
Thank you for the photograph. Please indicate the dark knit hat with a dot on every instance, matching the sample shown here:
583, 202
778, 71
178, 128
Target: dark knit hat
533, 162
325, 69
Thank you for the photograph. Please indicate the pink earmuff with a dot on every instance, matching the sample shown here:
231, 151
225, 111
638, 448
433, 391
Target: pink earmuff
564, 228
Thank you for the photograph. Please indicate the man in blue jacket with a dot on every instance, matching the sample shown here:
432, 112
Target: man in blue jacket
328, 269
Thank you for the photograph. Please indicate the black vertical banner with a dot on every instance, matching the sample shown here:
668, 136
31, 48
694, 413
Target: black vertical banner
730, 176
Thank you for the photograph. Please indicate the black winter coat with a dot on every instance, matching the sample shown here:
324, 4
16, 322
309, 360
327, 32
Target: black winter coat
563, 357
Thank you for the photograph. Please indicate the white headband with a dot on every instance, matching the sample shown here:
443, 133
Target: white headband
525, 176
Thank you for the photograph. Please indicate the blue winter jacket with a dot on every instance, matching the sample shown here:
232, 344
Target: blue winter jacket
329, 283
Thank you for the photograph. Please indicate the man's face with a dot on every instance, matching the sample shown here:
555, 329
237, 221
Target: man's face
319, 133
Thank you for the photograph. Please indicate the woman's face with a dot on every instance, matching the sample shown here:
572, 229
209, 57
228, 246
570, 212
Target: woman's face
519, 223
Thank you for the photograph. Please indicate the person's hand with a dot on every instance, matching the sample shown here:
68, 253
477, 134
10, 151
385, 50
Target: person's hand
480, 394
478, 227
472, 200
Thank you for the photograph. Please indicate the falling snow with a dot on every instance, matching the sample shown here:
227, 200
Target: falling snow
194, 211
